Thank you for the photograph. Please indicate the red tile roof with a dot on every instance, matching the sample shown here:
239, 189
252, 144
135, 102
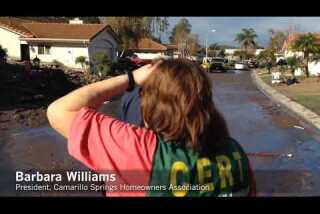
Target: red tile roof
147, 44
15, 25
47, 30
64, 30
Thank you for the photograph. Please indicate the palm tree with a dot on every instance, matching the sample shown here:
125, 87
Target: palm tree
81, 60
246, 39
307, 45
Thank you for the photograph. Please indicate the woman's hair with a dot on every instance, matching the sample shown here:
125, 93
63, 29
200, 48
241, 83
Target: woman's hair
176, 102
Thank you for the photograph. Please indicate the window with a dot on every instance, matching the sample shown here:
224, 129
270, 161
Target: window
43, 49
40, 49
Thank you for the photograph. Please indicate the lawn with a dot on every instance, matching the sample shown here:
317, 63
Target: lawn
312, 102
266, 78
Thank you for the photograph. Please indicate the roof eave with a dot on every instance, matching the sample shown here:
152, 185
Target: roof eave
146, 49
110, 31
55, 40
15, 31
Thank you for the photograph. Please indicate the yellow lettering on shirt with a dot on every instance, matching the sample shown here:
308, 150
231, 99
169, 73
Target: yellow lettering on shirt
224, 166
178, 166
237, 157
205, 173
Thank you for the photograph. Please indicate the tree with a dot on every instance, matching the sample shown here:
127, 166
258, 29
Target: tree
246, 39
306, 44
216, 50
214, 46
266, 58
180, 30
213, 49
82, 61
193, 44
131, 29
160, 26
90, 19
201, 52
181, 35
222, 53
276, 40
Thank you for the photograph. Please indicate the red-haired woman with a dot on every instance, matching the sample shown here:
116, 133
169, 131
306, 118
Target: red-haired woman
185, 149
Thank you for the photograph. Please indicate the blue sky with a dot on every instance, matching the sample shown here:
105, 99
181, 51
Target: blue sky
227, 27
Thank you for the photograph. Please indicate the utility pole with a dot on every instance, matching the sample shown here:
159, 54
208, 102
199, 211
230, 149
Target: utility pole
213, 30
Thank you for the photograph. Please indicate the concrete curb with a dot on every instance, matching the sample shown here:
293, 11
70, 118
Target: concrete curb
299, 110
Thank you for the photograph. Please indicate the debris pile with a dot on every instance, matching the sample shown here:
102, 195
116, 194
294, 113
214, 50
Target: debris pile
26, 95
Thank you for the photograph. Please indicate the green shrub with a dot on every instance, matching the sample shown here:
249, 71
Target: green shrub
81, 60
103, 64
266, 59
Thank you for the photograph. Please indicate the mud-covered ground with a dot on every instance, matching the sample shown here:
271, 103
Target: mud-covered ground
26, 96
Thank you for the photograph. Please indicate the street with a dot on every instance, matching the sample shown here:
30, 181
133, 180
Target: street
284, 151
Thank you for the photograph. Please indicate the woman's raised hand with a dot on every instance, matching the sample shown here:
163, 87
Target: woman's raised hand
141, 74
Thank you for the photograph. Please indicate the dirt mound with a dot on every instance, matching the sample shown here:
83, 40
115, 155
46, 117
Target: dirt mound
25, 96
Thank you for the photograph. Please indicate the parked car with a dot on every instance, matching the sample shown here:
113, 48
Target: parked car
217, 67
240, 66
218, 64
282, 62
219, 60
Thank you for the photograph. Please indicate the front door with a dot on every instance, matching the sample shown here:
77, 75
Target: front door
25, 55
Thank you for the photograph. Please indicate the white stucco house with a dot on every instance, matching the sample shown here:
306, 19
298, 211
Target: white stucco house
314, 66
62, 42
229, 52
